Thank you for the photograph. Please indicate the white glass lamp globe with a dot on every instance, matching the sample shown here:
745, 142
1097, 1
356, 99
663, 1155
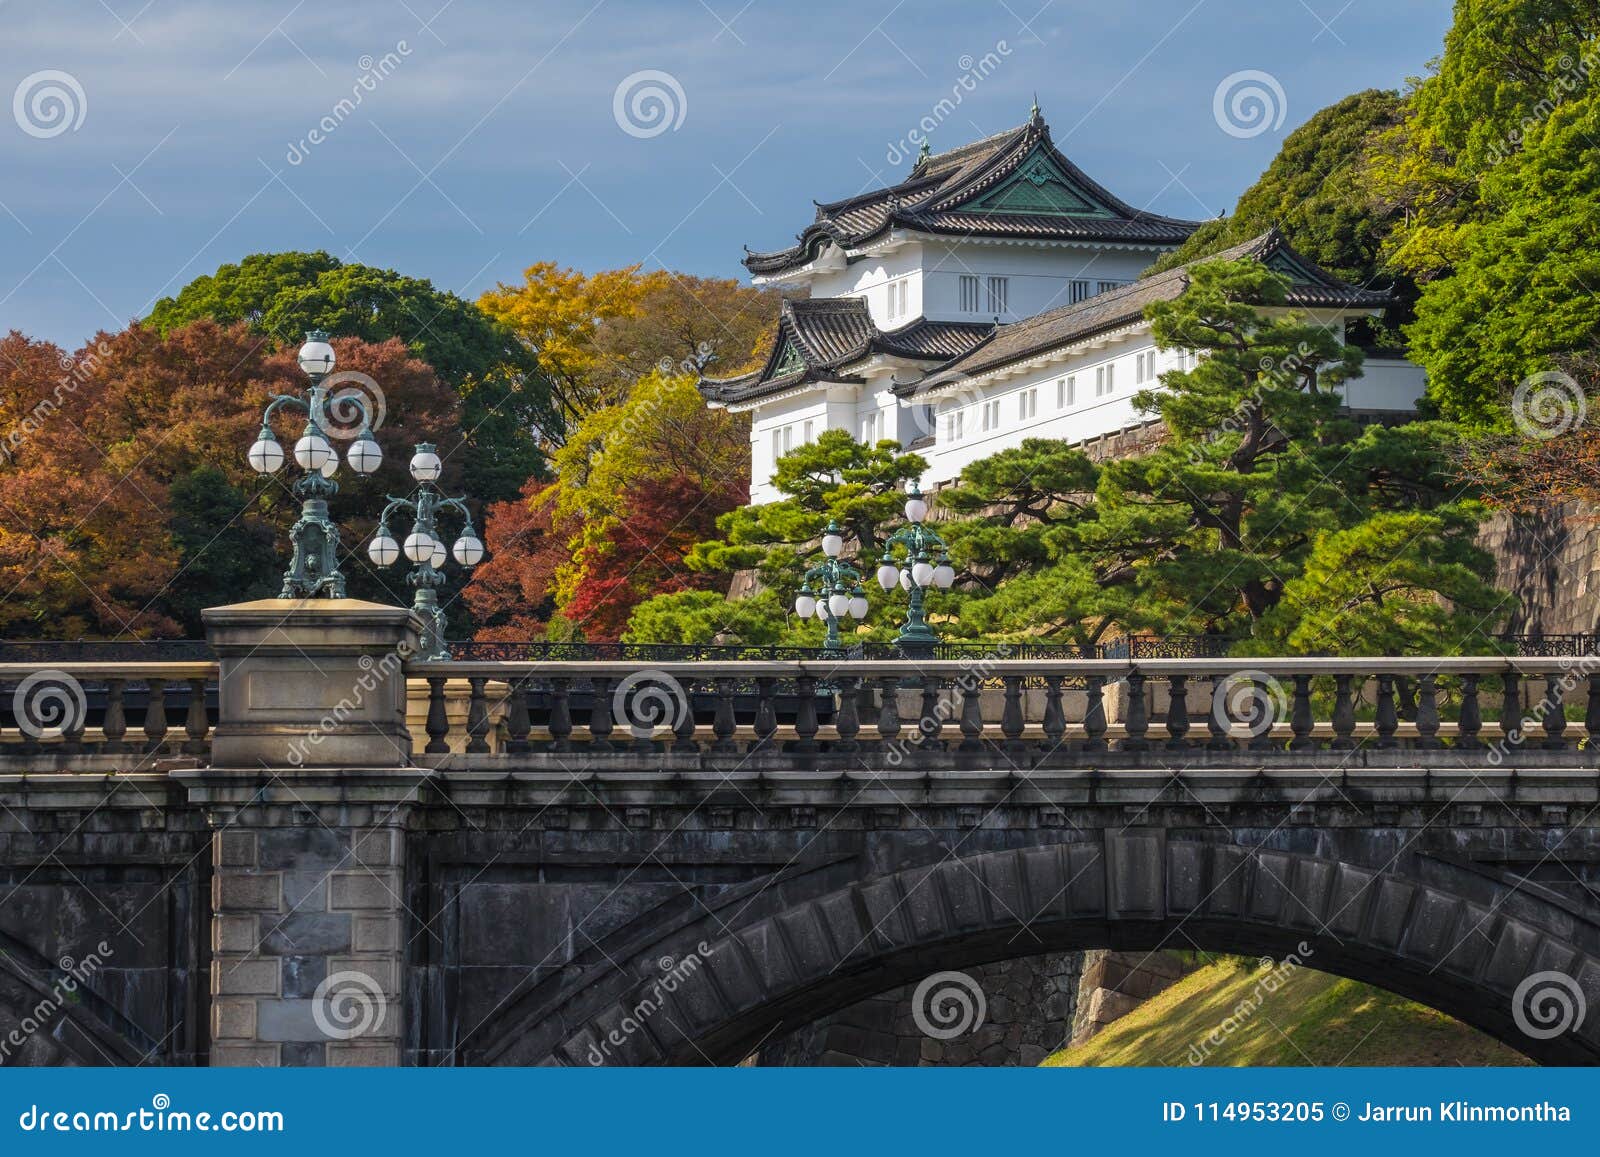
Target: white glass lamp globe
905, 580
805, 605
916, 508
888, 576
832, 544
383, 549
425, 464
858, 606
944, 576
440, 554
365, 455
316, 356
266, 456
922, 574
838, 604
822, 610
419, 546
312, 451
468, 549
331, 466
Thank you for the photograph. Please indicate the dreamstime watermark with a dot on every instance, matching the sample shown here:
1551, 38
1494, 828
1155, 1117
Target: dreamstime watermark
973, 676
1277, 974
160, 1117
1271, 373
649, 701
1547, 1004
1548, 404
49, 704
348, 1004
973, 73
76, 371
947, 1005
63, 992
373, 73
1249, 102
354, 399
1574, 75
648, 103
956, 407
1254, 698
1573, 672
674, 973
375, 673
48, 103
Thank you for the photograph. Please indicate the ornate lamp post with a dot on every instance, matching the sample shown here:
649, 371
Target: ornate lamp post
927, 565
314, 570
422, 546
838, 588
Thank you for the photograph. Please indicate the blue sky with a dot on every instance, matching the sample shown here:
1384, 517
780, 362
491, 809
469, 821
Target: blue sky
493, 140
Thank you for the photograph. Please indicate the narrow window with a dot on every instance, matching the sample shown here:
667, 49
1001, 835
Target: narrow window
969, 293
997, 295
1108, 286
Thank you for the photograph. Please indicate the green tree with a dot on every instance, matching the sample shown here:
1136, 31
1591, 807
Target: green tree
505, 402
223, 553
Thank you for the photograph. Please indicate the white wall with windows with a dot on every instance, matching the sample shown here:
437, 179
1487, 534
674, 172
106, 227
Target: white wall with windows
979, 282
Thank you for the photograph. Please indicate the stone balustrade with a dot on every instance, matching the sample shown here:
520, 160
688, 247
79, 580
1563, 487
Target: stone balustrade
96, 716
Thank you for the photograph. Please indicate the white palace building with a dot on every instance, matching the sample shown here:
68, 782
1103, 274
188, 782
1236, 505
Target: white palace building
991, 296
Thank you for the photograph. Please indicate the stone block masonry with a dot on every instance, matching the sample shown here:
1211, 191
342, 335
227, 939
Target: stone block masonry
306, 940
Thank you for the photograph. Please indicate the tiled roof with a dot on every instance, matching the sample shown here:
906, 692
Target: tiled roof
818, 340
1012, 185
1312, 287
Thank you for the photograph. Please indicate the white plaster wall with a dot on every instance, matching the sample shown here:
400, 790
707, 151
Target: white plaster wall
1038, 278
1386, 384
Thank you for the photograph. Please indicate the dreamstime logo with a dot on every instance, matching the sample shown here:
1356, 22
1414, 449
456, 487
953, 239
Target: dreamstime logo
49, 103
649, 701
1248, 103
648, 103
373, 73
348, 1004
49, 704
948, 1004
956, 409
353, 399
1548, 404
1547, 1004
73, 973
1253, 698
973, 73
1273, 975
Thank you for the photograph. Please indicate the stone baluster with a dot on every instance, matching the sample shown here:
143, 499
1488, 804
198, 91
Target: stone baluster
1138, 721
1263, 713
196, 723
1511, 710
1054, 723
933, 711
560, 724
766, 722
723, 721
888, 708
155, 716
1387, 720
1177, 721
1428, 712
1301, 721
1011, 722
477, 716
1217, 721
971, 714
601, 714
1344, 713
115, 726
438, 724
805, 715
1094, 714
518, 721
684, 725
847, 720
1555, 713
1469, 720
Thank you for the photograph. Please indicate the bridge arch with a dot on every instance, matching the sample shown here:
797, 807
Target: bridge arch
784, 952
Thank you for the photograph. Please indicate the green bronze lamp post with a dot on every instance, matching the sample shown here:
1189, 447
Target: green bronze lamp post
927, 565
314, 569
838, 590
423, 547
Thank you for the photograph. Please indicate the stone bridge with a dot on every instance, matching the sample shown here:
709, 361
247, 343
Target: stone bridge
315, 849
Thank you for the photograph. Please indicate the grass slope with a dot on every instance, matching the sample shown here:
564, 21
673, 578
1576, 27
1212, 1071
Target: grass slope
1234, 1012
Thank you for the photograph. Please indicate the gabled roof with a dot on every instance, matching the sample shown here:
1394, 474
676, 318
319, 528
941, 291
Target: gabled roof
820, 339
1311, 287
1015, 185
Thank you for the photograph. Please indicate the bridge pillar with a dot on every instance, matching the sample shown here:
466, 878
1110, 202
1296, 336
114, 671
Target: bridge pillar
308, 796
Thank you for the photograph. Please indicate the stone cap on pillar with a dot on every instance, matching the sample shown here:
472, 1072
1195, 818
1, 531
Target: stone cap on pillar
311, 683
